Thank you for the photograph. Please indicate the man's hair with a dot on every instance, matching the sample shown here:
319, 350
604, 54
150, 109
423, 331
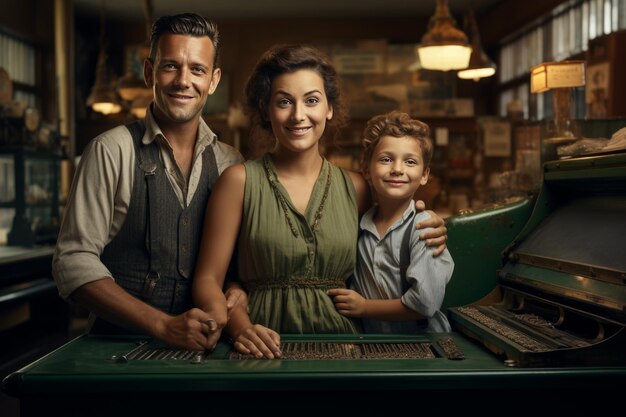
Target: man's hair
396, 124
284, 59
184, 24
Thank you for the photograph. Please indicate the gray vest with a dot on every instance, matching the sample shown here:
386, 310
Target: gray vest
153, 256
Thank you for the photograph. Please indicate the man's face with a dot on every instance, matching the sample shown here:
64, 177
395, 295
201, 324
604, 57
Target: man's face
182, 77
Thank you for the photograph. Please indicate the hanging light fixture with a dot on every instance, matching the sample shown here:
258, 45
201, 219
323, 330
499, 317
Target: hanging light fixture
102, 98
131, 86
444, 47
480, 66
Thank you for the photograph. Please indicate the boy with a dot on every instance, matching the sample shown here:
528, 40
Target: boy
398, 285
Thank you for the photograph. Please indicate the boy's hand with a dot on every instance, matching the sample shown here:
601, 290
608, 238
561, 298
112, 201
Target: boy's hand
437, 235
348, 302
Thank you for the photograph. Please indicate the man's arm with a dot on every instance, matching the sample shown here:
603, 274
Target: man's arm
112, 303
97, 202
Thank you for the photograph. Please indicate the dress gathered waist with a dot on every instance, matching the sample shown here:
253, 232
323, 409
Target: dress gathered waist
286, 283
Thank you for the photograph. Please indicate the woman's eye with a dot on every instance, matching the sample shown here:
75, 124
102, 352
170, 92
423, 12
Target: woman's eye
312, 100
283, 102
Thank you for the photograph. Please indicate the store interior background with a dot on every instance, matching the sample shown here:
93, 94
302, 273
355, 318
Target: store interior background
488, 133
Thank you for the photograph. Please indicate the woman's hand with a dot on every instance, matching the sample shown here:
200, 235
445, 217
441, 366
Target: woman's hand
259, 341
348, 302
437, 234
235, 297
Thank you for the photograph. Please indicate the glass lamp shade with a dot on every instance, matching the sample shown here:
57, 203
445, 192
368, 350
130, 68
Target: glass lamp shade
444, 47
444, 57
102, 100
480, 66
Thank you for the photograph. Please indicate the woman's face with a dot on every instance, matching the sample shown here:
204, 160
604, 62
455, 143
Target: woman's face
298, 110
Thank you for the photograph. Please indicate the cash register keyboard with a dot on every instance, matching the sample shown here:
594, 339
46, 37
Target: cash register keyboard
334, 350
530, 331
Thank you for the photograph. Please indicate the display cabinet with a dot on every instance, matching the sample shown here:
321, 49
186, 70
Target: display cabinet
29, 194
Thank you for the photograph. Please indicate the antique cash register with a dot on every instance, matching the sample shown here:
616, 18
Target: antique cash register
561, 293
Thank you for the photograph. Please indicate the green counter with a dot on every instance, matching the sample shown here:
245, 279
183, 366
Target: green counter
83, 378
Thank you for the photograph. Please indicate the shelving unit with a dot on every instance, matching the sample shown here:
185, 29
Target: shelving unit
30, 189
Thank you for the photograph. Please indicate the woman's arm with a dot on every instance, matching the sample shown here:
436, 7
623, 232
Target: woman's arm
219, 236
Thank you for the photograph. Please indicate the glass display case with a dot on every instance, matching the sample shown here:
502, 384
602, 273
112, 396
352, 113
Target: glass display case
29, 195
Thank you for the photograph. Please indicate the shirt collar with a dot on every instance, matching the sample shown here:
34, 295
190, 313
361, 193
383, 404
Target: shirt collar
367, 221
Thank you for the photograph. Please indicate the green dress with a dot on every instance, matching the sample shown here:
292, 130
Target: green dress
288, 260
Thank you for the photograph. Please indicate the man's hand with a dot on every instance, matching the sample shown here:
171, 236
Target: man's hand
437, 235
194, 330
348, 302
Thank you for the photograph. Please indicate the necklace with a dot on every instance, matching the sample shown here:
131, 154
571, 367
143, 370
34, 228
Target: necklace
273, 179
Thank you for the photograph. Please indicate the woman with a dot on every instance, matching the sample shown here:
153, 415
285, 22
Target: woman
293, 215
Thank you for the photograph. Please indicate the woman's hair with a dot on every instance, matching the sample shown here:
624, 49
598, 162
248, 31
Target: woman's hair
184, 24
283, 59
396, 124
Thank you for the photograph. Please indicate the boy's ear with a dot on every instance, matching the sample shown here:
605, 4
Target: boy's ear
425, 175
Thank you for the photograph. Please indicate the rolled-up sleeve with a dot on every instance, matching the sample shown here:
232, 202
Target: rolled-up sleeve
99, 195
427, 277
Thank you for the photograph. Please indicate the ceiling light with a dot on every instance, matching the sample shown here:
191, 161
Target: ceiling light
480, 66
103, 98
444, 47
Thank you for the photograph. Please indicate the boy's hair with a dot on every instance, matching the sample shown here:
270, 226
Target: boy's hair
184, 24
284, 59
396, 124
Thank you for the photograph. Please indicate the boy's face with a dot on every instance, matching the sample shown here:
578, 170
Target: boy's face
396, 169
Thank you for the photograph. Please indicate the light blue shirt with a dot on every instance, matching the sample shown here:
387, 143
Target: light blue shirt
378, 273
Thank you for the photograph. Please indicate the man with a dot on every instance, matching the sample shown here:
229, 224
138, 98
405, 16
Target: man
136, 208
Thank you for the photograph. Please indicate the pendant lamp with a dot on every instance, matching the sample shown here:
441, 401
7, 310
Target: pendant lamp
444, 47
480, 66
103, 98
131, 87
